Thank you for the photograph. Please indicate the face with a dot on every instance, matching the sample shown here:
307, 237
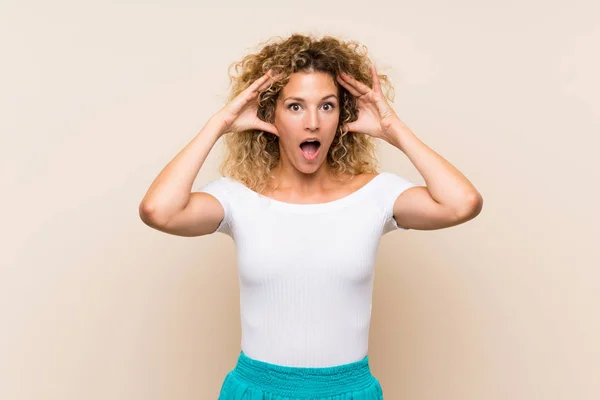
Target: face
307, 108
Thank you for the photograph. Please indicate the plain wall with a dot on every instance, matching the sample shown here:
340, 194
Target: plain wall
97, 98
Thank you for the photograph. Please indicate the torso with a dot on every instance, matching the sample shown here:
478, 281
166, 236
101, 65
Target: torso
306, 270
339, 189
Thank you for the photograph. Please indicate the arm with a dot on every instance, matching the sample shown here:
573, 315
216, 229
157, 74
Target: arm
448, 199
169, 205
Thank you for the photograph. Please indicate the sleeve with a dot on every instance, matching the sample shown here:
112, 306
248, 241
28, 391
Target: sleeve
221, 189
393, 187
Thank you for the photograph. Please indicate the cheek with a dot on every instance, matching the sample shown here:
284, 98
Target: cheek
288, 119
284, 122
334, 121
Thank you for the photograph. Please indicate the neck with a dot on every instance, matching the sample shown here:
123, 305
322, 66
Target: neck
287, 176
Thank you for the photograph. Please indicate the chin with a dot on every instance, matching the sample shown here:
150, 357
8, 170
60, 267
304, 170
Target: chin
309, 169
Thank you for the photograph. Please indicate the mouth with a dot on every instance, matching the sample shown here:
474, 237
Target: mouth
310, 149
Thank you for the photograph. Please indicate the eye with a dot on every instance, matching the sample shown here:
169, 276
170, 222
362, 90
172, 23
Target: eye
331, 106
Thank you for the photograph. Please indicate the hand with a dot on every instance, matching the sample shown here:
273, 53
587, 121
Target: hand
241, 113
375, 116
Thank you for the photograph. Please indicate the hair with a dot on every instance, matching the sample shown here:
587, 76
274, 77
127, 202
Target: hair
251, 155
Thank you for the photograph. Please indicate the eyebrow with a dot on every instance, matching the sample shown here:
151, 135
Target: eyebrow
301, 99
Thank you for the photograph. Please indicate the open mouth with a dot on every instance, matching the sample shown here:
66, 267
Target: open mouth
310, 149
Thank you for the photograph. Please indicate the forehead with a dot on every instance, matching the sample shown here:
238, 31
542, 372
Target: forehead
309, 84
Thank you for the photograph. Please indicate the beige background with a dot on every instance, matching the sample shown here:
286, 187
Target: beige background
97, 98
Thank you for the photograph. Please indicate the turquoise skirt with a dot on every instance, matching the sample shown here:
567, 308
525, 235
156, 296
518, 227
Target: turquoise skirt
258, 380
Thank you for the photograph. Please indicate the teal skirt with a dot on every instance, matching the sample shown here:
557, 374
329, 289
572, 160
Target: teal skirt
258, 380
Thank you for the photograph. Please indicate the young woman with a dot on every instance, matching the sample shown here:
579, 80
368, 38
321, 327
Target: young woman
303, 200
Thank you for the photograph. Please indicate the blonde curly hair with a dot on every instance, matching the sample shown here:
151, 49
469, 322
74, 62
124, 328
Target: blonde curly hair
250, 156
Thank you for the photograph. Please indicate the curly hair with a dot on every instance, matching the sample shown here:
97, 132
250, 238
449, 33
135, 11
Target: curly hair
250, 156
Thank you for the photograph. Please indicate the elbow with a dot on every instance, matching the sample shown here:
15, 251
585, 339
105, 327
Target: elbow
149, 216
472, 206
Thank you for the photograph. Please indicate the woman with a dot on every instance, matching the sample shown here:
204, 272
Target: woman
306, 207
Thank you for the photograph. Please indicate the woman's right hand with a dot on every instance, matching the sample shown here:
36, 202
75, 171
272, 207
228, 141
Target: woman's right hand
240, 114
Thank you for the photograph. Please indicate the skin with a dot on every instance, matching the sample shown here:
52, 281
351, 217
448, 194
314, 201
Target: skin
312, 113
447, 199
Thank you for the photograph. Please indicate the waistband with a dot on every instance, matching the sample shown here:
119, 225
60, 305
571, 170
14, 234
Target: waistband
304, 381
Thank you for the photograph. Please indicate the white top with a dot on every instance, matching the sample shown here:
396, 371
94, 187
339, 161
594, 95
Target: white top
306, 270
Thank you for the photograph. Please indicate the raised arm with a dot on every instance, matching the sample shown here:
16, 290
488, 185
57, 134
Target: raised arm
448, 198
169, 205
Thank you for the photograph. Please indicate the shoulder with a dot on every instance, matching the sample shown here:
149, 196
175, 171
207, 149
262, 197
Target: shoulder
355, 182
219, 183
377, 181
390, 186
223, 188
392, 178
363, 179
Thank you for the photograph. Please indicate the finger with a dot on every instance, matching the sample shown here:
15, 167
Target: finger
348, 127
270, 80
277, 77
348, 87
264, 85
257, 84
376, 82
359, 86
267, 127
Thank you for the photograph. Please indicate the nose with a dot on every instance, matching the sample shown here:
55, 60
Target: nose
311, 122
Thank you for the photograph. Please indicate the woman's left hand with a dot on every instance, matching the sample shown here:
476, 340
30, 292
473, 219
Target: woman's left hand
375, 116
